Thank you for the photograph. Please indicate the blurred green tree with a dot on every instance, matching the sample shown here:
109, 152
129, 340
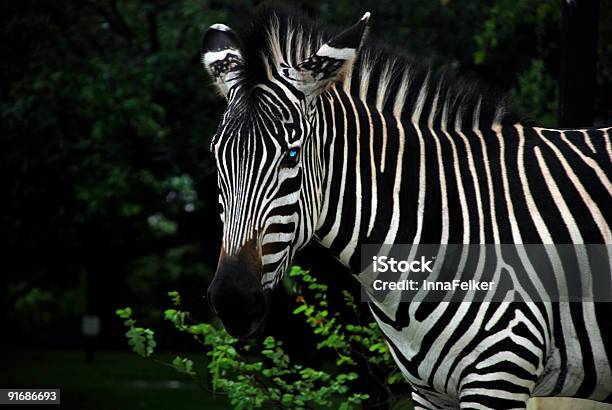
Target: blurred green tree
106, 122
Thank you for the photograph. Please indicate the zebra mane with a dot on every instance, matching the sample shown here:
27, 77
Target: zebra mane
384, 77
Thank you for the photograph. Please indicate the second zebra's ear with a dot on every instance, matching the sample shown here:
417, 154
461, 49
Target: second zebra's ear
222, 57
330, 62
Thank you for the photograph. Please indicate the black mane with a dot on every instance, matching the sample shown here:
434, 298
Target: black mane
463, 97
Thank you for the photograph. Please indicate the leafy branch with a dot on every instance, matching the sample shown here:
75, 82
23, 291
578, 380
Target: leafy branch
262, 375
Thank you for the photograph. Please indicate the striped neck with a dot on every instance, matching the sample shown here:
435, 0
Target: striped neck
366, 153
425, 179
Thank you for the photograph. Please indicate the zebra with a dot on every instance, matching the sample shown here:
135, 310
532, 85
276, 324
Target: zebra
334, 137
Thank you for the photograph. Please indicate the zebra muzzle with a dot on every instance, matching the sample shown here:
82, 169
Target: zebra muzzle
236, 293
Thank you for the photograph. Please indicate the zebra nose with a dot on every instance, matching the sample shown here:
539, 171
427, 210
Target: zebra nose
238, 298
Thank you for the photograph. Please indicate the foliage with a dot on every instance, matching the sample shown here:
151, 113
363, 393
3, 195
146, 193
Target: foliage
523, 25
142, 340
106, 120
537, 93
349, 339
255, 375
507, 17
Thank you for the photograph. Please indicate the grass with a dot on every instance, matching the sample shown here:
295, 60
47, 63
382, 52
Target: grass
115, 380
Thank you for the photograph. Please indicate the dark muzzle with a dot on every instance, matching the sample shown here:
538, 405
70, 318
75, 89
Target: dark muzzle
237, 296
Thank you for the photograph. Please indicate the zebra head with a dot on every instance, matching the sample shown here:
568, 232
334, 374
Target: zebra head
269, 162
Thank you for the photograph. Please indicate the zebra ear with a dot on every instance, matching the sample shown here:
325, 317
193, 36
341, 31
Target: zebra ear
330, 62
222, 57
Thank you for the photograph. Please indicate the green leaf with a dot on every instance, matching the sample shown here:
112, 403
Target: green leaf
300, 309
183, 365
175, 297
125, 313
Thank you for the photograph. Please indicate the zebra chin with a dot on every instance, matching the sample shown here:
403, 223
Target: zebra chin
237, 296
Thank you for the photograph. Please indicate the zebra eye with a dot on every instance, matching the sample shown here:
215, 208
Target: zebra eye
291, 157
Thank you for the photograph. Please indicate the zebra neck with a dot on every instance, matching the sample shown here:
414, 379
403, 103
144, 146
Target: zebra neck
423, 179
370, 176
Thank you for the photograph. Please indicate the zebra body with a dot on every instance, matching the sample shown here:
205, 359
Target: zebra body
318, 142
459, 208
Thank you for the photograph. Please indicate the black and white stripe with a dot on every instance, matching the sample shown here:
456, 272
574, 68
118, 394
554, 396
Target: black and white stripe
392, 151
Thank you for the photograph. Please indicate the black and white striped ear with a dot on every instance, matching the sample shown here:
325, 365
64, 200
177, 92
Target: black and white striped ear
330, 62
222, 57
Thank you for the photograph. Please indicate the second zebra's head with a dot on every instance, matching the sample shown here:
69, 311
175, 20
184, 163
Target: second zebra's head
268, 156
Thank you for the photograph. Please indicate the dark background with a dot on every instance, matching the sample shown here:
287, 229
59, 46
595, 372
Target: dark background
109, 194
